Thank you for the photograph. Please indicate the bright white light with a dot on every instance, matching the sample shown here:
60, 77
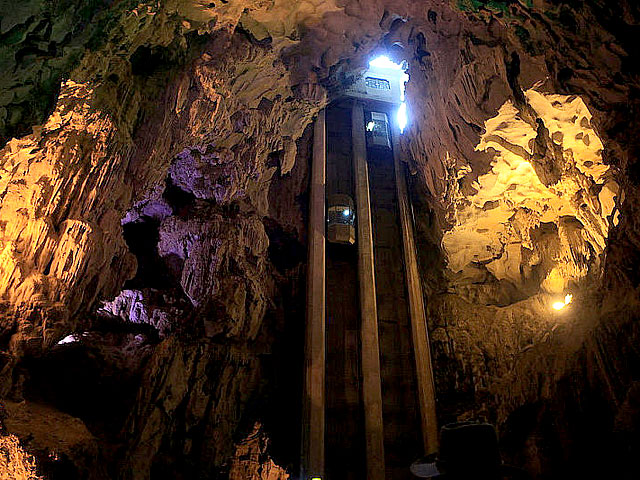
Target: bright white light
346, 212
402, 116
383, 62
69, 339
560, 305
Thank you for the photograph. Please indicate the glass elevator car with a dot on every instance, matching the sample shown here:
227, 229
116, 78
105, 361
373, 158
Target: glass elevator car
378, 132
341, 220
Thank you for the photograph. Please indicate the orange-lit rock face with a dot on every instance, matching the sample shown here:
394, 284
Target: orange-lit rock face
54, 436
58, 233
66, 187
227, 125
539, 218
15, 463
251, 459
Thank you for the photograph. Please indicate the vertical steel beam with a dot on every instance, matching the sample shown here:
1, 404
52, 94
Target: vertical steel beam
371, 388
313, 423
419, 332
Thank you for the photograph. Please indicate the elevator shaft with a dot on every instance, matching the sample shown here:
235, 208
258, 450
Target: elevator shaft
378, 402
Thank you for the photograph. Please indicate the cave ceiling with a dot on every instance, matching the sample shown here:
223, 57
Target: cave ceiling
153, 176
461, 54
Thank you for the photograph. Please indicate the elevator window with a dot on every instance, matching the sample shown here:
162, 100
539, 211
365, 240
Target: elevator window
378, 134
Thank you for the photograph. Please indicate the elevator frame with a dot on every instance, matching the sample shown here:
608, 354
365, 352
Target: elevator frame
313, 434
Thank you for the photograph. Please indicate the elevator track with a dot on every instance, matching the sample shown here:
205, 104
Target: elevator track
345, 436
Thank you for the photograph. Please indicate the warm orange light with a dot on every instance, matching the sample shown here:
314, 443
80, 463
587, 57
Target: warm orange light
560, 305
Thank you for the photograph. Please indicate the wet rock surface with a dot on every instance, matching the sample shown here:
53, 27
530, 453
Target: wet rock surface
152, 225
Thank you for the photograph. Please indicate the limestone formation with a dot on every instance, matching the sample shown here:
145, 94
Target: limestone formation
153, 183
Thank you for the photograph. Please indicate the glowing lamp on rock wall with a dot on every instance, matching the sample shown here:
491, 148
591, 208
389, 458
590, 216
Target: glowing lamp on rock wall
560, 305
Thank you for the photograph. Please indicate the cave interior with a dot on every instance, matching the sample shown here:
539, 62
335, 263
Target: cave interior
163, 314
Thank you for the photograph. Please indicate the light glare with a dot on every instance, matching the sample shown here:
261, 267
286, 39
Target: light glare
560, 305
402, 116
69, 339
346, 212
383, 62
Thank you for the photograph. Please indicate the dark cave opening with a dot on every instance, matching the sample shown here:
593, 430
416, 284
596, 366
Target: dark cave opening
91, 379
285, 250
142, 239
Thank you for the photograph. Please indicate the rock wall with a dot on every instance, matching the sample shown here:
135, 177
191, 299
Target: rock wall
559, 386
153, 239
160, 153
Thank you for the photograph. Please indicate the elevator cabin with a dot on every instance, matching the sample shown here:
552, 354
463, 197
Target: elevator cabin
368, 399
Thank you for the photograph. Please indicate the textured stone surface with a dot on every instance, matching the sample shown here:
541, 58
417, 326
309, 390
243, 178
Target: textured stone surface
40, 42
55, 254
251, 459
16, 464
539, 218
168, 181
62, 440
552, 381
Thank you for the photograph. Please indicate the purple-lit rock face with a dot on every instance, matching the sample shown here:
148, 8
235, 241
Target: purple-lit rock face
153, 207
223, 269
209, 174
147, 306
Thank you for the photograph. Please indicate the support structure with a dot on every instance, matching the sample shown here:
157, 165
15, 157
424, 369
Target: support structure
371, 387
313, 421
419, 332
